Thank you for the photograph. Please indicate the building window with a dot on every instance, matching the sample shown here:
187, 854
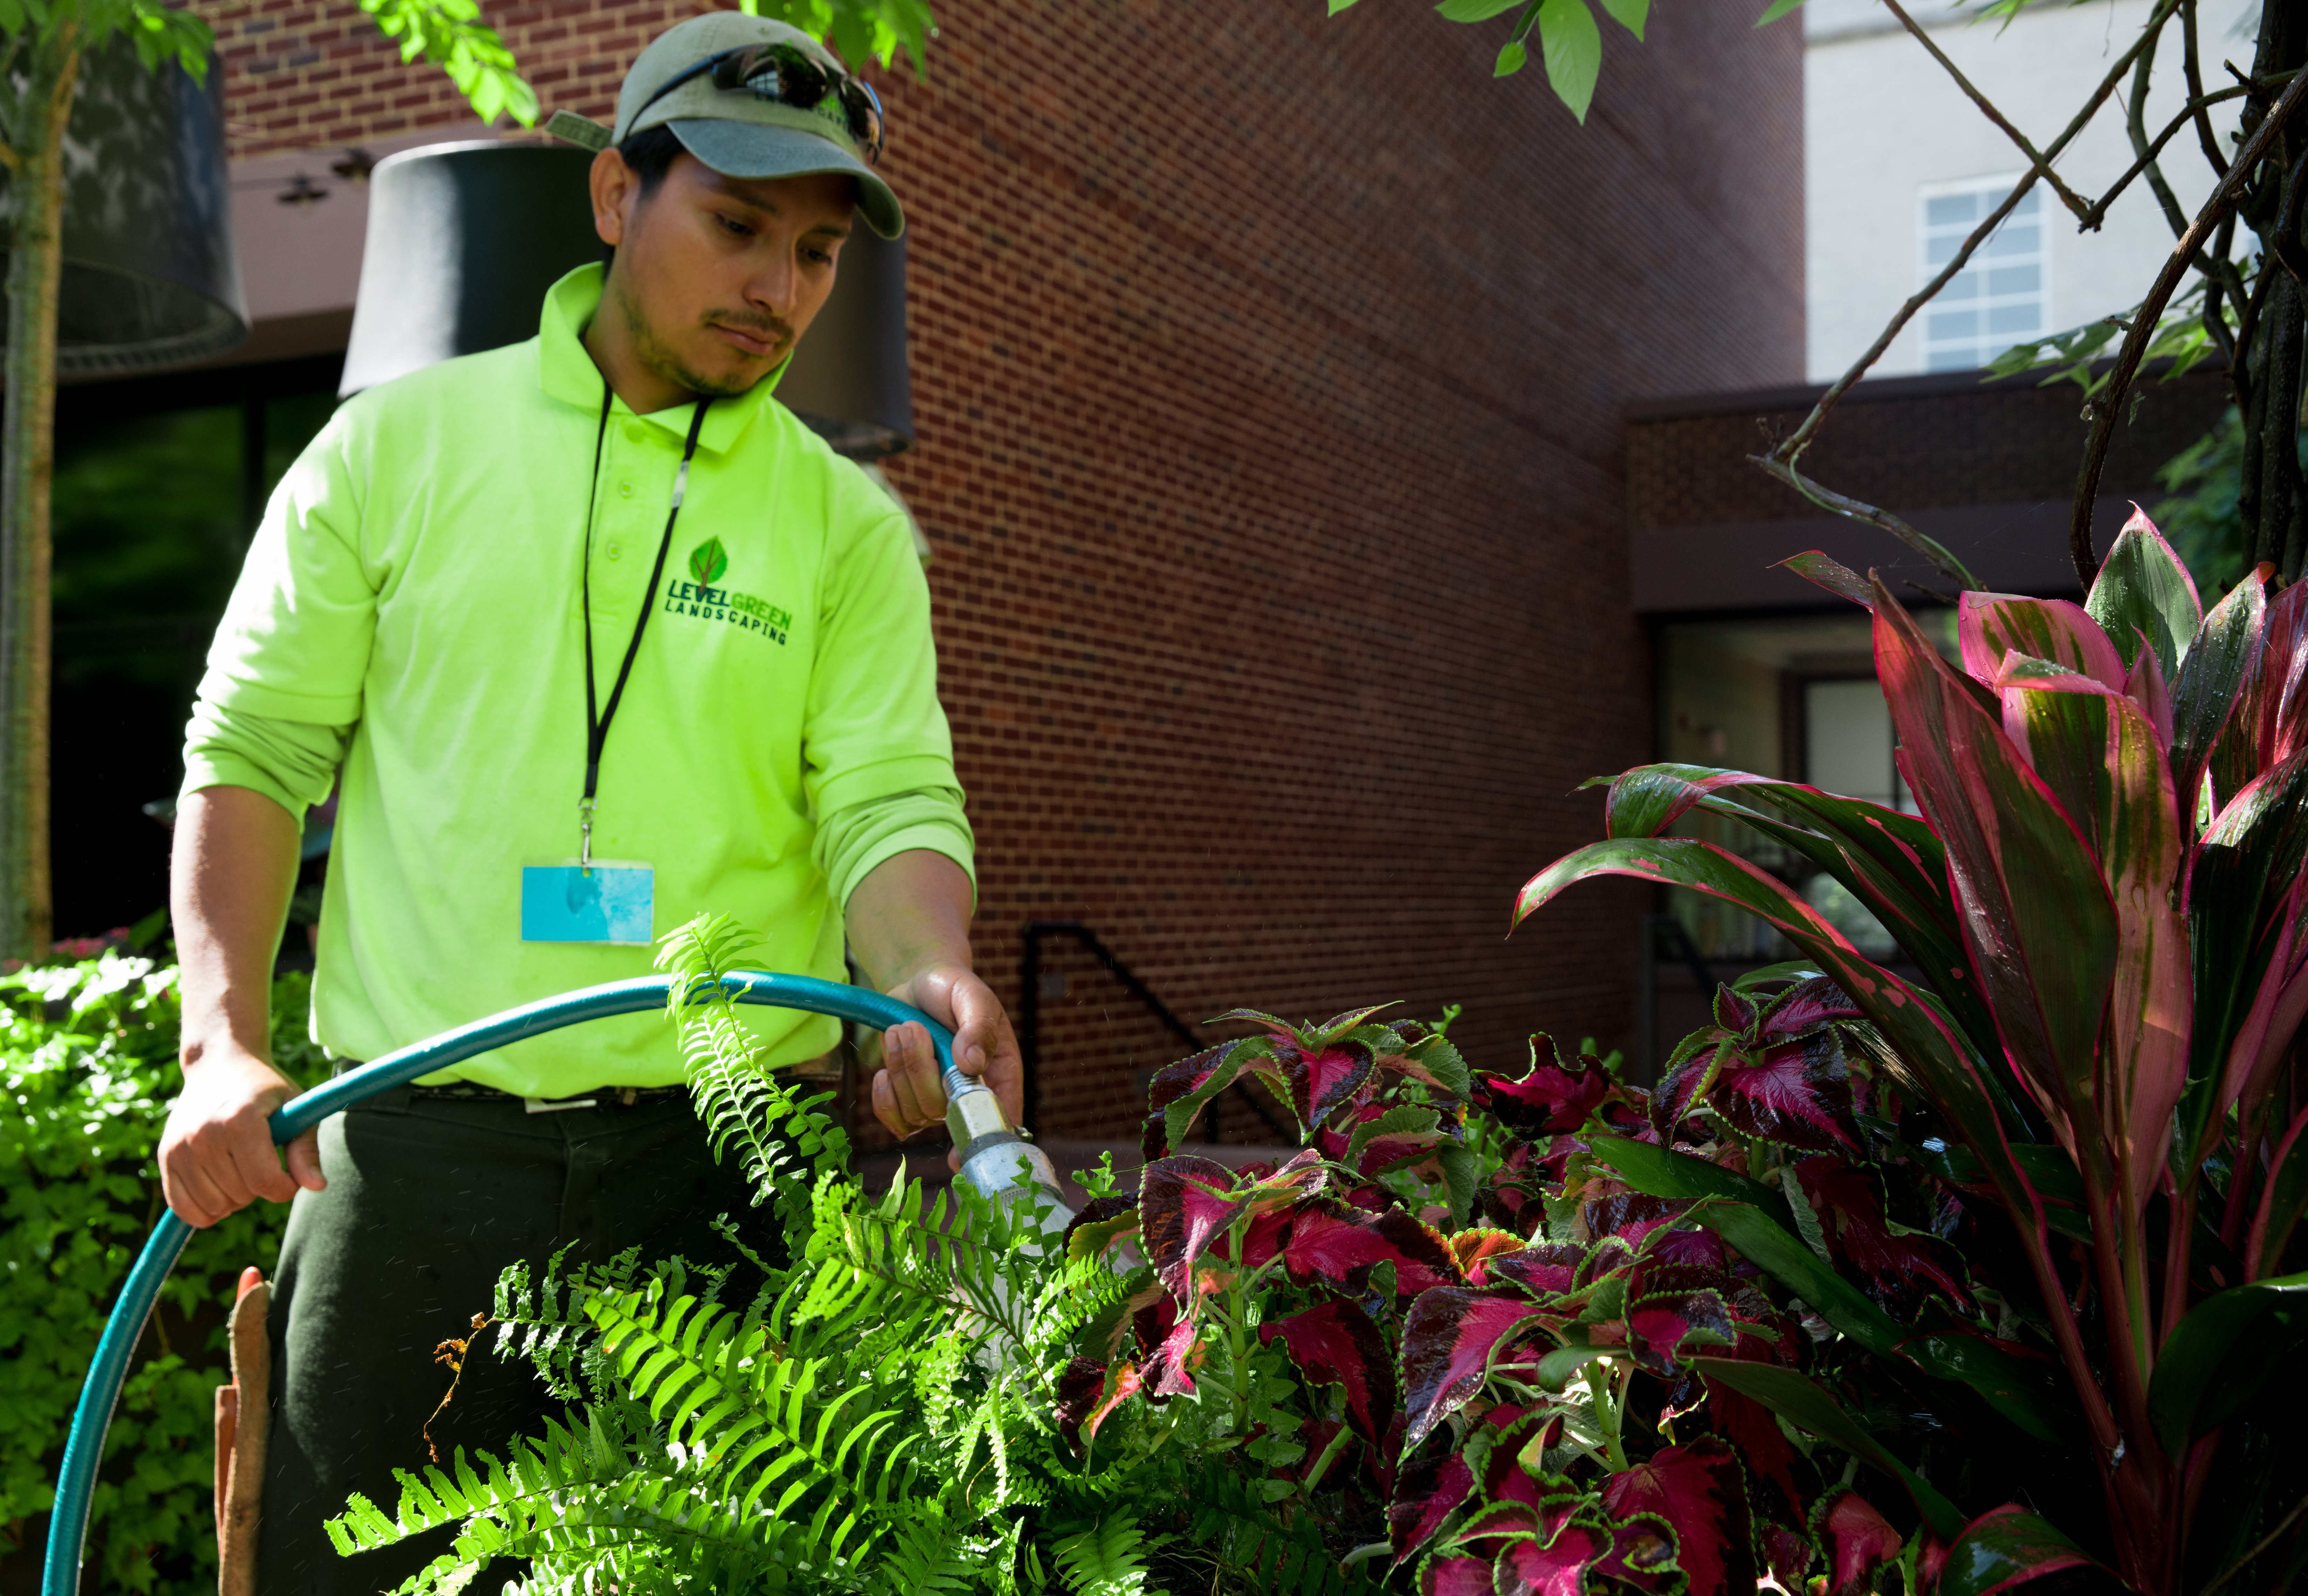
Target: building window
2000, 299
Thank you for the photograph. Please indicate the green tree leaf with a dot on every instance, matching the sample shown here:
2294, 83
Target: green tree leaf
1511, 59
1779, 8
1630, 14
707, 561
1474, 11
1573, 45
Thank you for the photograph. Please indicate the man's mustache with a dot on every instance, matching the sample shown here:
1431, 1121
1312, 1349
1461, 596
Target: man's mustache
776, 329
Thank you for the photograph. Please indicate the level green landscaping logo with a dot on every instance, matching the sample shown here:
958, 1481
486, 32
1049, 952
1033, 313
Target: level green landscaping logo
708, 562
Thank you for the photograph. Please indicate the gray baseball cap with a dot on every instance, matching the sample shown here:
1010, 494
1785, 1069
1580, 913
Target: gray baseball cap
737, 132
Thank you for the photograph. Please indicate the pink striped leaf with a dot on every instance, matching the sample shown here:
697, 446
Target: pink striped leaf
1890, 861
1991, 625
2271, 722
2037, 915
2224, 655
1555, 1568
2004, 1547
1927, 1046
1342, 1246
1554, 1094
2143, 593
2135, 823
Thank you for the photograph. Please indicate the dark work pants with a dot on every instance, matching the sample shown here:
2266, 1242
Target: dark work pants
428, 1200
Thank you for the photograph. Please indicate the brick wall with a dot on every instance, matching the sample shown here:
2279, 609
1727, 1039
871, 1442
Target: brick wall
1269, 373
1911, 443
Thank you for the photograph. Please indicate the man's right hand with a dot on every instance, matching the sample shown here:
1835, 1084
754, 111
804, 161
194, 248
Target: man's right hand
217, 1154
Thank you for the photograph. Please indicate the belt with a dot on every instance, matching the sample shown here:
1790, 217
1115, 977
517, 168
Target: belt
471, 1092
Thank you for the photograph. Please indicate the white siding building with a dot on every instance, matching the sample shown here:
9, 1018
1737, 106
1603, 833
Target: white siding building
1899, 165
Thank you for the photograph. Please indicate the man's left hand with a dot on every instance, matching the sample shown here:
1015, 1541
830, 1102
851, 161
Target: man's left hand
907, 1096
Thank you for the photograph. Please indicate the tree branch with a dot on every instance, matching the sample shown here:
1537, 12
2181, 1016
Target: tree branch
1930, 548
2151, 310
2135, 124
2194, 110
1791, 450
2042, 163
2193, 67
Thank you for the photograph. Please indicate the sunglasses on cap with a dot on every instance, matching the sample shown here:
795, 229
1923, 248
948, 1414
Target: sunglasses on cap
789, 76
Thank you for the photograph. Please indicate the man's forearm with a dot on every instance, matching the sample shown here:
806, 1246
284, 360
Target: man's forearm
910, 913
231, 873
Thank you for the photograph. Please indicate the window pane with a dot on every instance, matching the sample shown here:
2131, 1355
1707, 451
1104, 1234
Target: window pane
2030, 205
2012, 239
1950, 324
1964, 285
1951, 210
2012, 320
2013, 280
1963, 357
1847, 740
1939, 250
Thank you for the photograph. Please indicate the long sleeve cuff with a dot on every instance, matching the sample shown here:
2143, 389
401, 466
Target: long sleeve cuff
853, 840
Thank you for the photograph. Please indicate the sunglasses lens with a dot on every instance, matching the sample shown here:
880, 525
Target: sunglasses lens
865, 109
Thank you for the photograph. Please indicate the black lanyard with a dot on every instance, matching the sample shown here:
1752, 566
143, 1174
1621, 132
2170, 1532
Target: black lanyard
597, 720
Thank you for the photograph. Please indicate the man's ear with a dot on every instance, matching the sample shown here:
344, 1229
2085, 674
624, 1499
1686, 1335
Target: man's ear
617, 190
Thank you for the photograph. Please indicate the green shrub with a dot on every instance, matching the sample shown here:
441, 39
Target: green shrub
87, 1061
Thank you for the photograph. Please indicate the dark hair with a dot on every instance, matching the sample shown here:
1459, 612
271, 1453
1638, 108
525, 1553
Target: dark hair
650, 153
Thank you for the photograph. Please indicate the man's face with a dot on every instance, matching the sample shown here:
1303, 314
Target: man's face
717, 278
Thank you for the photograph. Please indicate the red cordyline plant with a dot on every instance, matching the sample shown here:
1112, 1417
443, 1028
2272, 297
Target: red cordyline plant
2103, 905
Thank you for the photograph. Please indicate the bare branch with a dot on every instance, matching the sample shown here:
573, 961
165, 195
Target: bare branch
1791, 449
1930, 548
2192, 111
2151, 310
2041, 162
2193, 67
2135, 124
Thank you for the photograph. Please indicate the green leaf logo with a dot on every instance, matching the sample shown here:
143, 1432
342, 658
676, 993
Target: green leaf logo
708, 561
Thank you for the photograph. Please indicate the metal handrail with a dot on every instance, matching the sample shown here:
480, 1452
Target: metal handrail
1030, 1014
994, 1158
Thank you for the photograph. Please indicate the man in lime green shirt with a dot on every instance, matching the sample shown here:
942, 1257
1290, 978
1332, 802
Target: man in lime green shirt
596, 636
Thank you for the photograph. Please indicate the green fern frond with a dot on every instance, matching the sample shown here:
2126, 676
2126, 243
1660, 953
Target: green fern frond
1109, 1559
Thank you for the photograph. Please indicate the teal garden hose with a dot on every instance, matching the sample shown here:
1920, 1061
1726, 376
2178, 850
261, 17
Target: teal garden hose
994, 1159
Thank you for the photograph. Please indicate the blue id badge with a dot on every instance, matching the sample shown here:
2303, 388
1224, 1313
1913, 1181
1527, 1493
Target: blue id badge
611, 901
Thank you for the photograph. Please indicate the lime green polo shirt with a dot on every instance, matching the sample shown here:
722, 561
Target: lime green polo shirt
411, 602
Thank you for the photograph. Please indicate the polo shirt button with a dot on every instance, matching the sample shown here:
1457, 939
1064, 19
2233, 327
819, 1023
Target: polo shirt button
615, 550
625, 490
635, 431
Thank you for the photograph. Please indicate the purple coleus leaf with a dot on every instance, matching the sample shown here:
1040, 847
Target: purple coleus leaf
1456, 1576
1103, 1222
1547, 1270
1473, 1249
1850, 1209
1385, 1135
1122, 1383
1558, 1567
1630, 1215
1322, 1081
1664, 1323
1449, 1338
1553, 1096
1643, 1553
1699, 1491
1429, 1491
1797, 1094
1756, 1436
1335, 1344
1341, 1245
1179, 1352
1183, 1201
1179, 1091
1858, 1540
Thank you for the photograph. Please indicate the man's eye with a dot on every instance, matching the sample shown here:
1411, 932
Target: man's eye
733, 225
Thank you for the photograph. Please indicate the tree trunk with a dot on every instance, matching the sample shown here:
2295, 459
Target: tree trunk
28, 416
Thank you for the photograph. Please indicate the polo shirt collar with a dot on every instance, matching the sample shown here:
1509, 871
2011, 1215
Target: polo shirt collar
567, 372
